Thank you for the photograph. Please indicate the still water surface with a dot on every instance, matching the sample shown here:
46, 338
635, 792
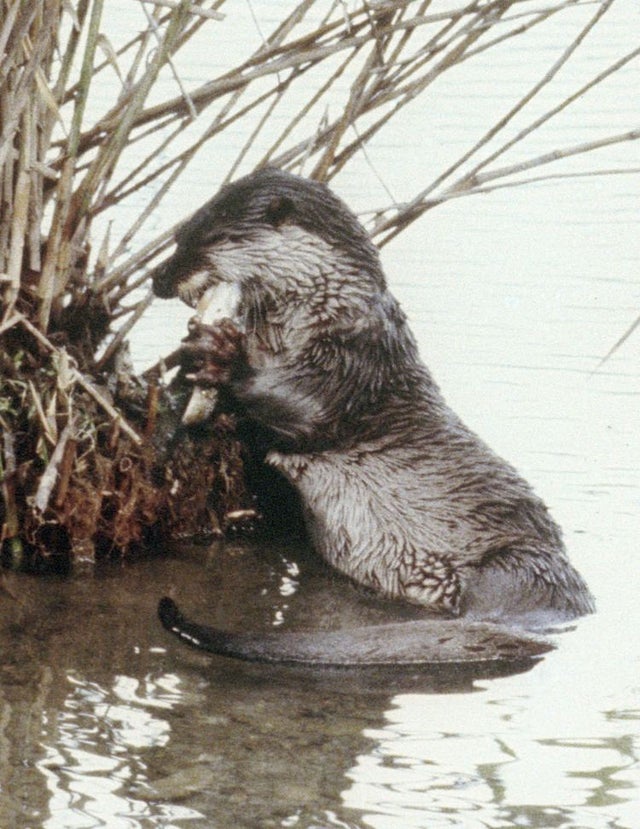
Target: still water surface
514, 297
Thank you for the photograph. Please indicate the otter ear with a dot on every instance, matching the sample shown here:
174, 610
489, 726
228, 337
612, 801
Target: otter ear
279, 209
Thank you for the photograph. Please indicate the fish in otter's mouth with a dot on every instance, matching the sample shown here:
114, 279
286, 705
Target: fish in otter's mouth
211, 302
218, 302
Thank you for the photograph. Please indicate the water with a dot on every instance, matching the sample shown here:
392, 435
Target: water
514, 297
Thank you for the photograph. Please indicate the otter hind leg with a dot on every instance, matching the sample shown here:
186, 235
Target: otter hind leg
435, 583
541, 586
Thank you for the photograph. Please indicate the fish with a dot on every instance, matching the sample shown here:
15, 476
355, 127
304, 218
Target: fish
217, 302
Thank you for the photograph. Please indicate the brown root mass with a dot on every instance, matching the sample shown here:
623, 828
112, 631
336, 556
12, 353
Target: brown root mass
76, 483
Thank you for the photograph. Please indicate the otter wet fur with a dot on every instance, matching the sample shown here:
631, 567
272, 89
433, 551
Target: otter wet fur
397, 493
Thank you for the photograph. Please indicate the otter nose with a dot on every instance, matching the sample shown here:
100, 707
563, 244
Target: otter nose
163, 284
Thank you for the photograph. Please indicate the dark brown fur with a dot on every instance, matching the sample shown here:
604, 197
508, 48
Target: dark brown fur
398, 493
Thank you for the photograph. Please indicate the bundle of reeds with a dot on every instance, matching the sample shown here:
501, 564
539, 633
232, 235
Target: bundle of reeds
75, 471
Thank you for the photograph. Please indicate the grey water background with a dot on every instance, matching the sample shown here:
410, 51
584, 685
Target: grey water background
514, 297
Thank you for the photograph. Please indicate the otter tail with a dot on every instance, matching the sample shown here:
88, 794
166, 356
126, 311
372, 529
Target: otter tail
427, 643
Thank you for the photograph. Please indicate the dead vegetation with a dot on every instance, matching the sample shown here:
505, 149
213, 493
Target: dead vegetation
91, 124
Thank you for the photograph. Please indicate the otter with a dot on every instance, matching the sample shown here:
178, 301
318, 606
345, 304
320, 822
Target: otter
398, 494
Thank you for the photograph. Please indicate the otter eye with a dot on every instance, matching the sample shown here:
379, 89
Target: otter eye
279, 209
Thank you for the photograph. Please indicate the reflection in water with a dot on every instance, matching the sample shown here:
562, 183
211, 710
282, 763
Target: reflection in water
444, 761
94, 754
510, 756
116, 725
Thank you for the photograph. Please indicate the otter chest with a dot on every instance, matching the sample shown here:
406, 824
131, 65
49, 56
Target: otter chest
363, 514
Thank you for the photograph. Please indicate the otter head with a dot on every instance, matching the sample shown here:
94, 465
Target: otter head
279, 236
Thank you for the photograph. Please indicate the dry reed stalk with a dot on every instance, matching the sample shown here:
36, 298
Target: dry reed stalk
67, 157
59, 256
635, 325
77, 377
33, 103
389, 227
10, 530
386, 54
173, 4
49, 477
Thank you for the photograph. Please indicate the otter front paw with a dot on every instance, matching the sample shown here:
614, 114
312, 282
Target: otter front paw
213, 354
